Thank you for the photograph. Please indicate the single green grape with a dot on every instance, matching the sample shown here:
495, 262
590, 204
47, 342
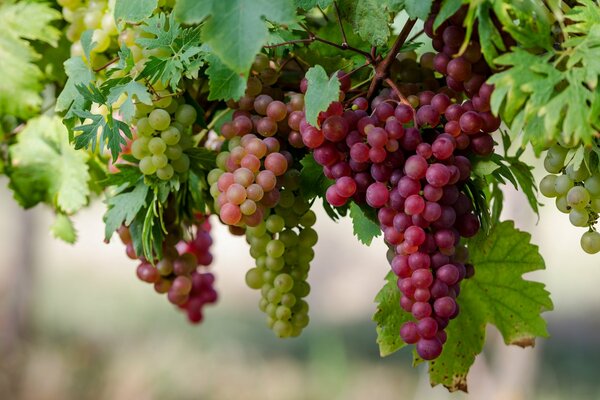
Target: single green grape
275, 248
171, 135
590, 242
578, 197
275, 223
283, 282
159, 119
157, 146
174, 152
165, 173
254, 278
548, 186
182, 164
139, 147
563, 184
578, 217
160, 160
186, 114
147, 166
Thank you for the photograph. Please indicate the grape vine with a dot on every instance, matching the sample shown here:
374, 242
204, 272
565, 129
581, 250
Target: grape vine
182, 116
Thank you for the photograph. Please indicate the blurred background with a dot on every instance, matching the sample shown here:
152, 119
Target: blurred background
76, 323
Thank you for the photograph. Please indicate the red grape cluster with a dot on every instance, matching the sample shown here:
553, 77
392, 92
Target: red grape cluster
177, 273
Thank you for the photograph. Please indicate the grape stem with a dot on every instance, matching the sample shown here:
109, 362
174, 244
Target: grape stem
108, 64
382, 69
339, 18
402, 98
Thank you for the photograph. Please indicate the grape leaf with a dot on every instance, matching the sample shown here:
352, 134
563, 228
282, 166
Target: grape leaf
130, 89
313, 182
63, 229
389, 317
223, 82
308, 4
364, 227
69, 98
123, 207
134, 11
321, 92
109, 129
418, 8
371, 18
185, 56
201, 159
236, 30
45, 168
21, 82
497, 294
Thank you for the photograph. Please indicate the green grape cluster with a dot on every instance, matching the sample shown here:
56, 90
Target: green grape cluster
163, 134
282, 247
577, 193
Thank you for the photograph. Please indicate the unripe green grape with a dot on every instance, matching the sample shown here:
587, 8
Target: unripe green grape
291, 256
595, 204
561, 204
308, 219
271, 309
590, 242
308, 237
147, 166
255, 252
300, 206
592, 184
143, 109
301, 320
563, 184
261, 262
261, 61
282, 329
182, 164
302, 307
157, 146
274, 296
101, 39
174, 152
171, 135
269, 276
160, 160
283, 282
159, 119
578, 197
275, 223
213, 175
234, 142
578, 175
186, 114
271, 321
263, 304
253, 87
92, 19
164, 101
222, 160
214, 190
291, 220
286, 199
288, 300
165, 173
553, 165
289, 238
275, 264
139, 147
72, 4
108, 24
275, 248
172, 107
299, 275
258, 230
578, 217
547, 186
264, 290
558, 152
254, 279
283, 313
301, 289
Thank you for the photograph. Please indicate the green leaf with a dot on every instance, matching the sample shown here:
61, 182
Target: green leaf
223, 82
236, 30
63, 229
308, 4
371, 18
131, 89
134, 11
448, 8
321, 92
185, 56
123, 208
201, 159
313, 182
79, 74
21, 82
45, 168
364, 227
497, 294
418, 8
389, 317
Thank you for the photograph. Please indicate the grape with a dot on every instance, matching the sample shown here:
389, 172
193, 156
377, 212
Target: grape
590, 242
159, 119
146, 165
157, 146
548, 186
578, 197
578, 217
165, 173
171, 136
181, 164
185, 114
562, 184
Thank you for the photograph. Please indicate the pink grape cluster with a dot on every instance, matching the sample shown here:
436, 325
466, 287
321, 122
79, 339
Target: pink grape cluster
247, 180
178, 272
410, 163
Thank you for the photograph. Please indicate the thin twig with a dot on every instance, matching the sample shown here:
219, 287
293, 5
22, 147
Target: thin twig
416, 35
307, 40
314, 37
323, 12
383, 68
108, 64
374, 52
398, 92
339, 18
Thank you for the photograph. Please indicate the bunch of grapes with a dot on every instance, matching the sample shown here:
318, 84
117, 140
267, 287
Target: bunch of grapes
577, 193
164, 132
178, 273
